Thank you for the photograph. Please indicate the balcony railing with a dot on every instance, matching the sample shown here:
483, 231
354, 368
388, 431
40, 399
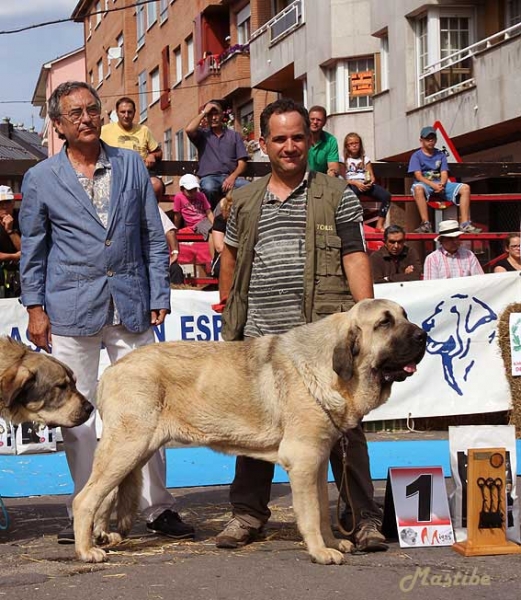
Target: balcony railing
283, 23
454, 72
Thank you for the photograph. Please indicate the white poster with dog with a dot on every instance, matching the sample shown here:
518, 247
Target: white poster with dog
515, 342
462, 372
482, 436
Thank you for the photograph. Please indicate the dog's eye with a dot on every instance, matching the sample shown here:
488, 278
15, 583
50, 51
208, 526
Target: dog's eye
384, 323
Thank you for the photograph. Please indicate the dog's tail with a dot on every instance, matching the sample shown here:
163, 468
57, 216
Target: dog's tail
129, 492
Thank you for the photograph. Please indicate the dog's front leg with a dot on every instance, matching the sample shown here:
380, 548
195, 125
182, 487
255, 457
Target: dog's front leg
325, 518
303, 465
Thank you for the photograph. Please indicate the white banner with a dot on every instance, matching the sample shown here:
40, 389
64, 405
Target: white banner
462, 372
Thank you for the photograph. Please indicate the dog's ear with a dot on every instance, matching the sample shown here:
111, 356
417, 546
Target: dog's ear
13, 382
344, 353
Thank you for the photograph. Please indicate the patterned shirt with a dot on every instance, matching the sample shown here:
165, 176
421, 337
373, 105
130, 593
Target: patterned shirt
98, 190
275, 296
440, 264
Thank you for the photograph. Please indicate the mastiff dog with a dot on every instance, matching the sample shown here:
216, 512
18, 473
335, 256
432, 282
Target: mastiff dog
281, 398
36, 387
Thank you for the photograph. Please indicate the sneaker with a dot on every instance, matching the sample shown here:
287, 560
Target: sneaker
169, 523
469, 228
236, 534
425, 227
66, 535
368, 538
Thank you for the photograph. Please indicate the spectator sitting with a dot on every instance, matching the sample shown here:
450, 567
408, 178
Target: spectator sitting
360, 176
395, 261
192, 208
323, 153
10, 245
222, 154
513, 261
450, 260
431, 174
175, 271
221, 215
124, 134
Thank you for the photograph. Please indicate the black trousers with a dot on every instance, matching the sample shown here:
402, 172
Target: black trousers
250, 490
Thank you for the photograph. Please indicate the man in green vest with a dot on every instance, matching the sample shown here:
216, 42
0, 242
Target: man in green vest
294, 252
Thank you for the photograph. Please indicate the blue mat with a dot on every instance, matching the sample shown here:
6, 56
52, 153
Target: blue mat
48, 474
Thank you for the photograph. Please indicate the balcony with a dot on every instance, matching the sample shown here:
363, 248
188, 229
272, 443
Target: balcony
456, 71
274, 46
231, 67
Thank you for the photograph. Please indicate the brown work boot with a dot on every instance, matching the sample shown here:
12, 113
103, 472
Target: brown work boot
368, 538
236, 534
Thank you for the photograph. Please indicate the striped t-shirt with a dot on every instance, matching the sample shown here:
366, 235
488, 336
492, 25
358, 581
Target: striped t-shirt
276, 291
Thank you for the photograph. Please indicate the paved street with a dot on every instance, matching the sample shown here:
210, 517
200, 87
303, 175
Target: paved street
148, 567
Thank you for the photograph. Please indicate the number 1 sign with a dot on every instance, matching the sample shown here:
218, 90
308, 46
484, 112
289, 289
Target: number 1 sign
418, 500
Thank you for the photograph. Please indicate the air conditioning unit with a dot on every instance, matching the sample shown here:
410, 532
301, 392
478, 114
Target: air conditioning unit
115, 53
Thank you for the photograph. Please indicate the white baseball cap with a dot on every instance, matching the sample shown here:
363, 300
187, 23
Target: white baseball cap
6, 193
189, 182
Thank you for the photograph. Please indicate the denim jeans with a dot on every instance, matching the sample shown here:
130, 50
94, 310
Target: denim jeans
211, 186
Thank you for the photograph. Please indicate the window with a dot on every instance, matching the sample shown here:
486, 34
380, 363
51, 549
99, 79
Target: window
192, 150
190, 54
441, 34
163, 10
351, 85
243, 25
178, 65
179, 145
140, 23
142, 90
119, 43
97, 16
384, 62
155, 86
151, 14
89, 27
91, 78
513, 12
167, 144
247, 121
99, 70
106, 5
165, 77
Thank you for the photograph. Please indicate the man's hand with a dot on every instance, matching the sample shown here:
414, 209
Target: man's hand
150, 160
228, 183
7, 223
209, 107
409, 269
157, 317
39, 328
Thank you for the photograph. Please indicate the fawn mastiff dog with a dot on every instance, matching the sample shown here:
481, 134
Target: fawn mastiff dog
36, 387
281, 398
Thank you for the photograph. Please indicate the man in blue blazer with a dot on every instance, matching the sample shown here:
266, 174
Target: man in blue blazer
94, 270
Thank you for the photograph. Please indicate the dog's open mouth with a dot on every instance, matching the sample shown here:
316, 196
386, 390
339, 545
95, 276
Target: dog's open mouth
391, 373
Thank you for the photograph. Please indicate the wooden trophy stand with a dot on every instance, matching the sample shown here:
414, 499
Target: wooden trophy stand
486, 505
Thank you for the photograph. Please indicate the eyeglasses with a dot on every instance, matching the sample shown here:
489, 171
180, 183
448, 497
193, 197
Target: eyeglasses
398, 242
74, 115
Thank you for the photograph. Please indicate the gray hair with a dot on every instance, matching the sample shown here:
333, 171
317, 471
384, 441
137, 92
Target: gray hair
64, 89
393, 229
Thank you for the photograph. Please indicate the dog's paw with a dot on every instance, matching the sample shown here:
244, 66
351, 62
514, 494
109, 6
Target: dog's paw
93, 555
344, 546
327, 556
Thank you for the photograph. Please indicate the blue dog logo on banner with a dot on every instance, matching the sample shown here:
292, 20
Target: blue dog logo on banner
451, 330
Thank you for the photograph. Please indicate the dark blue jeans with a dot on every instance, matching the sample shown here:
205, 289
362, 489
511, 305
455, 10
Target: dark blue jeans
378, 193
211, 186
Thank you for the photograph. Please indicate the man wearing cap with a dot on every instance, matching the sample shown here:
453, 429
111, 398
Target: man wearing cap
10, 245
222, 154
450, 260
431, 176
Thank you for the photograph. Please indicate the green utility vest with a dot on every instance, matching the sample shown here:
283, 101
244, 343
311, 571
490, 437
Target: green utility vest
325, 286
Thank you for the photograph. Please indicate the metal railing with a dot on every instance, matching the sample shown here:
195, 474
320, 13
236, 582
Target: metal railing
455, 71
283, 23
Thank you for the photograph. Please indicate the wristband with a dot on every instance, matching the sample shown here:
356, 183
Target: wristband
174, 252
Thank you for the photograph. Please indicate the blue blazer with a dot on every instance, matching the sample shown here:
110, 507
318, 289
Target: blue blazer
72, 265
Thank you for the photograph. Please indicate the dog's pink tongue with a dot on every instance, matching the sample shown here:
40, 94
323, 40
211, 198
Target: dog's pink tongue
410, 368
